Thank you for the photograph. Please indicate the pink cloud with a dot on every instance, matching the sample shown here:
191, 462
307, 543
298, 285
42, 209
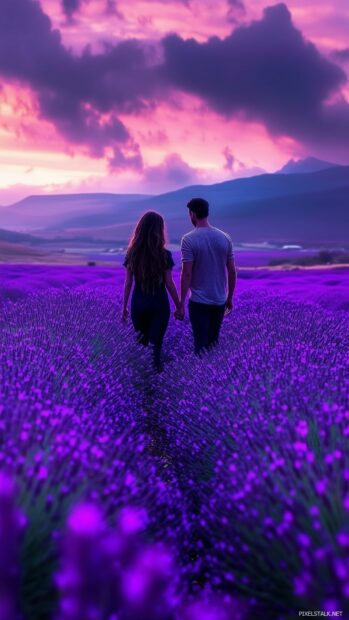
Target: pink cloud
173, 172
108, 108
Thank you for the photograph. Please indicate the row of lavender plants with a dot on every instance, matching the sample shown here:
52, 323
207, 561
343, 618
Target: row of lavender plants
259, 430
105, 572
73, 427
219, 489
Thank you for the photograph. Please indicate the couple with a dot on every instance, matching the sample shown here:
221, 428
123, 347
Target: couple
208, 271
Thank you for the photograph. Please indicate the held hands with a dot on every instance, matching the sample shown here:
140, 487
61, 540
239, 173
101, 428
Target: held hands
179, 312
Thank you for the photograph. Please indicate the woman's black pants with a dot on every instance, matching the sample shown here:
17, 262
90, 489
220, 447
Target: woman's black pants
150, 315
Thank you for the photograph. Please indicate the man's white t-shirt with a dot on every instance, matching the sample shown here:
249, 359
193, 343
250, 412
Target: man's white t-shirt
210, 249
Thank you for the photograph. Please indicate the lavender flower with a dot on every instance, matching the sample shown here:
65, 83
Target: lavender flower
227, 475
11, 526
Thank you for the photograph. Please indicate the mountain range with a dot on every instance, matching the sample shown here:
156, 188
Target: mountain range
310, 164
305, 202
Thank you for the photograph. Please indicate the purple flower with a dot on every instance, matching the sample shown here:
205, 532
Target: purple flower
11, 527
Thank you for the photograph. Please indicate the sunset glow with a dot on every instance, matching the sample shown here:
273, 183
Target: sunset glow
151, 96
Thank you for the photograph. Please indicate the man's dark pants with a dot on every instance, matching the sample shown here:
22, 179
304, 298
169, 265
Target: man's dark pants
206, 321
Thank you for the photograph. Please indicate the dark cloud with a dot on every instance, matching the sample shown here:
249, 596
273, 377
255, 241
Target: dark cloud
70, 7
341, 55
265, 71
128, 158
112, 8
81, 95
172, 172
236, 4
237, 167
236, 9
229, 158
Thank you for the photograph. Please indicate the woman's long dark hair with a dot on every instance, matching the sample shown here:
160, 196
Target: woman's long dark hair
146, 254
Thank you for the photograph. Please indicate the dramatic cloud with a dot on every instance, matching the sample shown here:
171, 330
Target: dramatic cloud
237, 4
71, 6
128, 158
229, 158
80, 95
237, 168
341, 55
236, 8
172, 172
265, 71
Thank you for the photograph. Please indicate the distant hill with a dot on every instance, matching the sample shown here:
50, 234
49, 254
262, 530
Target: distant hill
303, 166
227, 198
40, 212
299, 207
11, 236
271, 206
320, 217
24, 253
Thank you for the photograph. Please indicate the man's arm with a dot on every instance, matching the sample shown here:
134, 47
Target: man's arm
231, 282
187, 269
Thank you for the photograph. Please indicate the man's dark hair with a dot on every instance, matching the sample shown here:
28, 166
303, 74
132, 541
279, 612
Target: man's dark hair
199, 206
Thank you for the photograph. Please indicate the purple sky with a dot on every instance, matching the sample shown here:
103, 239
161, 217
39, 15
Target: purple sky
103, 95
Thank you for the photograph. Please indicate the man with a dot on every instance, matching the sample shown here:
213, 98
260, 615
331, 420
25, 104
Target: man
208, 270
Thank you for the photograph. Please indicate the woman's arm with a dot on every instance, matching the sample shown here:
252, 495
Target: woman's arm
171, 287
127, 291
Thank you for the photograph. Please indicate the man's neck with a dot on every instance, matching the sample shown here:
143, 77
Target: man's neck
202, 223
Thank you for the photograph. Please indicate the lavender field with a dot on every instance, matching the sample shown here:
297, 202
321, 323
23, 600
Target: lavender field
217, 490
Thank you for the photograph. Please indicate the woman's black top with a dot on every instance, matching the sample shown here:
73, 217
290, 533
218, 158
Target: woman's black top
158, 288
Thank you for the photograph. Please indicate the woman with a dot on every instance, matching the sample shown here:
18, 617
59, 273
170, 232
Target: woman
149, 264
